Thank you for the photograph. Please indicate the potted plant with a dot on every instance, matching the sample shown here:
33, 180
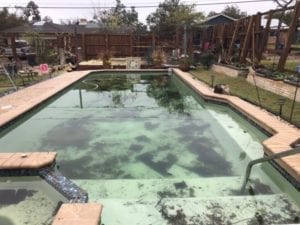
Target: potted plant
185, 63
158, 58
106, 60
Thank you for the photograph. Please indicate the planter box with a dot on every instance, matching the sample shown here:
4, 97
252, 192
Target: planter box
295, 83
230, 70
276, 86
268, 77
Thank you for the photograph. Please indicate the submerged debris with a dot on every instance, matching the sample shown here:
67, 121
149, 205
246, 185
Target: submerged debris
180, 185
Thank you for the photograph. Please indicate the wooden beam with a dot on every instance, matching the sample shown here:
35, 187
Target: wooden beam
233, 39
246, 42
83, 47
257, 34
131, 44
291, 33
265, 37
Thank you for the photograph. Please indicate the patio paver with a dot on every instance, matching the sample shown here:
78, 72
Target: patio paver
78, 214
26, 160
17, 103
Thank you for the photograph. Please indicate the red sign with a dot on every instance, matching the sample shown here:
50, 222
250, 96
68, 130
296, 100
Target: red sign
44, 68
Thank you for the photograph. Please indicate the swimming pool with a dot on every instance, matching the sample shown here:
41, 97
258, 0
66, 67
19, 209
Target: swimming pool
27, 200
153, 152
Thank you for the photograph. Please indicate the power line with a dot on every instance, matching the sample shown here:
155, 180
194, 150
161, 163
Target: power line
141, 6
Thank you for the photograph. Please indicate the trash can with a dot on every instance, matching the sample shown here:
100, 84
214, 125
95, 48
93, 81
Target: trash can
31, 59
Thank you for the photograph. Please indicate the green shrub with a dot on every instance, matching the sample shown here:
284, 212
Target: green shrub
185, 63
207, 59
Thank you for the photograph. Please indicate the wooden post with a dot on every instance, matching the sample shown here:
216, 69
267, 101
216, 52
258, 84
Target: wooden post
131, 44
246, 43
265, 37
233, 39
177, 37
213, 34
14, 49
106, 41
291, 32
83, 48
61, 49
153, 40
257, 34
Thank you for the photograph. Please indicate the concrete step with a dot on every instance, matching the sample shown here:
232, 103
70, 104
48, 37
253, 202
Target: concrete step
269, 209
173, 188
242, 210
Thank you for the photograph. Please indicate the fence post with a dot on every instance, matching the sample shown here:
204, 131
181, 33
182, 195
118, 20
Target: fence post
265, 37
83, 47
246, 43
291, 32
233, 39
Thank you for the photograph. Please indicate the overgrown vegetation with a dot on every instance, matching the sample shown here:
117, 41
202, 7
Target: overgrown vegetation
241, 88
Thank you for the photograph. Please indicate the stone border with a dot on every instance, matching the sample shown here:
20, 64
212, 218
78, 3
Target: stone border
285, 136
229, 70
275, 86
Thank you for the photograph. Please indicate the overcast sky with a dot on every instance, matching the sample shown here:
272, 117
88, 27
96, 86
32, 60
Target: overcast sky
61, 14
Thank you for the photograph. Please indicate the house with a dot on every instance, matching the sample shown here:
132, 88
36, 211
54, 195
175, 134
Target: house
218, 19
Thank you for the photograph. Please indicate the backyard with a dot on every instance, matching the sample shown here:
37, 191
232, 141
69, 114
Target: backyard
241, 88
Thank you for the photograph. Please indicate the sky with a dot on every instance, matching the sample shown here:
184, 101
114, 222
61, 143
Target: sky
64, 14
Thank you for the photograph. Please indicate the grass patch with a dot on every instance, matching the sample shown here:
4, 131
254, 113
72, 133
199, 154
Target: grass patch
20, 82
241, 88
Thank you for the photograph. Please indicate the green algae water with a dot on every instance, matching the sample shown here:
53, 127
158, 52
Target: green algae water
153, 152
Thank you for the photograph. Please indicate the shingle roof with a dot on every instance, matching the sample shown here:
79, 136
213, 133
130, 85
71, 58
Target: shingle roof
217, 15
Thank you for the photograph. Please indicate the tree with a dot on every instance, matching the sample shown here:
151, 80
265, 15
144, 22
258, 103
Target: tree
8, 20
283, 3
212, 13
171, 15
118, 16
234, 12
31, 12
286, 18
47, 19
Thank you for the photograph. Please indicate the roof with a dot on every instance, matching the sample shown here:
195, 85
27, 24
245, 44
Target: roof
46, 27
37, 28
219, 15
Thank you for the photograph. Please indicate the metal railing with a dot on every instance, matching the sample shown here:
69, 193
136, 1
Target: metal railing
290, 152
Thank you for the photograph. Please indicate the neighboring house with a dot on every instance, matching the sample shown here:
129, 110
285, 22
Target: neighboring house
218, 19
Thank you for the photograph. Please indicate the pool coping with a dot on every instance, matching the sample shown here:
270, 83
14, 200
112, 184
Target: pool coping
284, 135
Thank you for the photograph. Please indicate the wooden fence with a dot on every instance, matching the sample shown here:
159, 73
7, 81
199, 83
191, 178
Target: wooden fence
248, 38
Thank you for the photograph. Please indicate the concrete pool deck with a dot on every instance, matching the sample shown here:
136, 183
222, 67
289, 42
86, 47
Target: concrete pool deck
17, 103
78, 214
28, 160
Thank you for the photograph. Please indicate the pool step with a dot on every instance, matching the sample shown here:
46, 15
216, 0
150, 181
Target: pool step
158, 188
271, 209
